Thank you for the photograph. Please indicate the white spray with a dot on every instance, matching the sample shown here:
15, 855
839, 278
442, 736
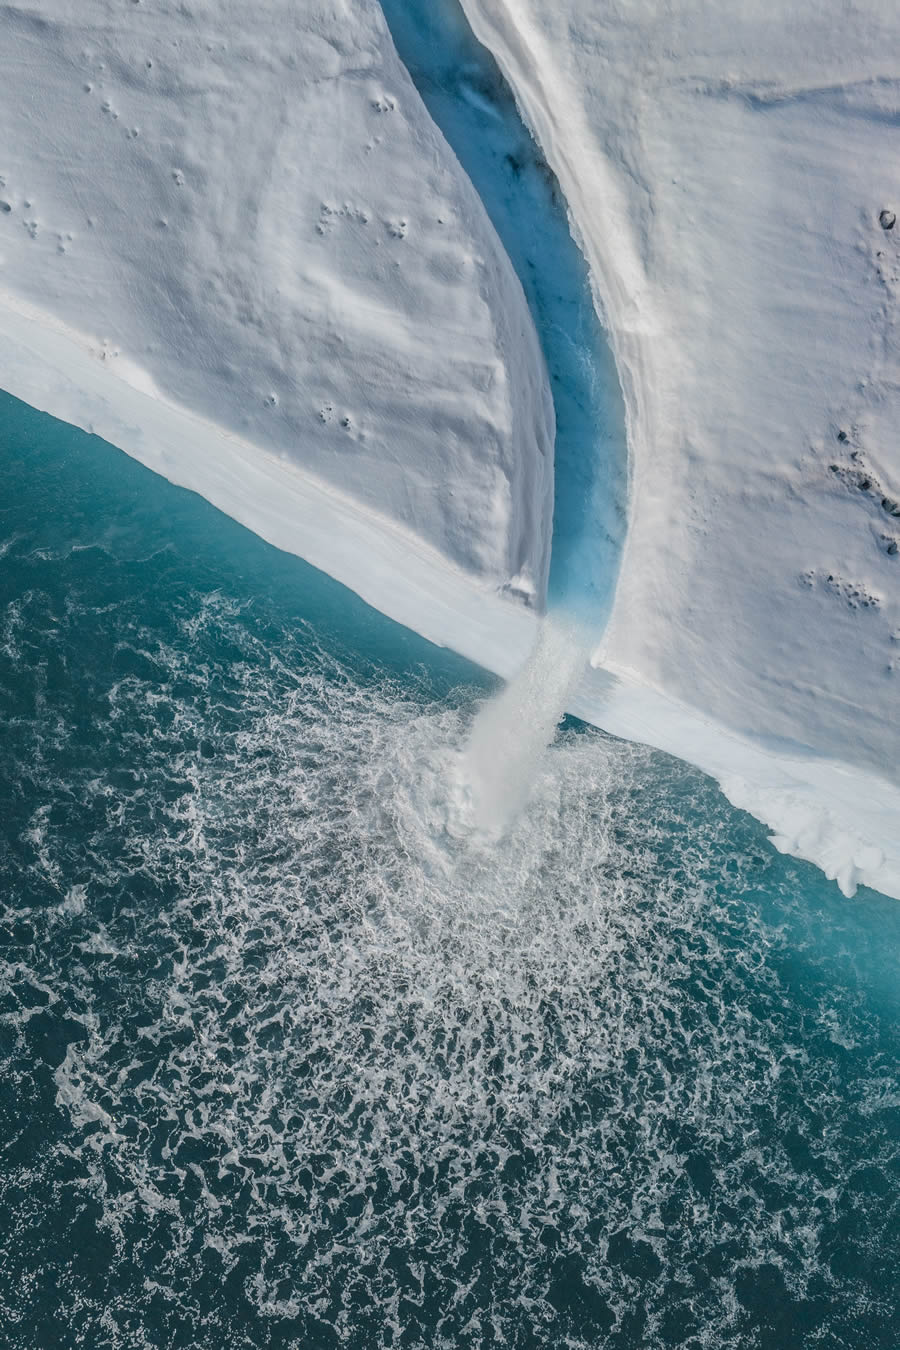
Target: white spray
513, 729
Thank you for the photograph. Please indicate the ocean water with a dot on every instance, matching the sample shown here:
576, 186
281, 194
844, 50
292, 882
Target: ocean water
291, 1055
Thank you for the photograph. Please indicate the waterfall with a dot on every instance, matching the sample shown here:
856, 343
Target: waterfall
513, 729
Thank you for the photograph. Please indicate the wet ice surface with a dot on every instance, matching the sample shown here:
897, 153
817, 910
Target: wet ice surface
293, 1056
465, 93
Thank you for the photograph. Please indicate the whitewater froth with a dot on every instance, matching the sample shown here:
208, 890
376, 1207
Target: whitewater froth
380, 1080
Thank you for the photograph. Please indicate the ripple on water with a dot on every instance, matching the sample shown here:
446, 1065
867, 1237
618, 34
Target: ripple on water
298, 1061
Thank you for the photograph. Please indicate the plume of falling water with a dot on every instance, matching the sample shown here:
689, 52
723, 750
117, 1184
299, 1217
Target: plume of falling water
512, 730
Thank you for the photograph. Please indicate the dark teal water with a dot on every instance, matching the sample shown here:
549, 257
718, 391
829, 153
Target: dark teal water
290, 1060
466, 95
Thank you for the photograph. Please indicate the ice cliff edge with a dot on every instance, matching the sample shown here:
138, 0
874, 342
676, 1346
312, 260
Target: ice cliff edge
234, 244
731, 173
244, 214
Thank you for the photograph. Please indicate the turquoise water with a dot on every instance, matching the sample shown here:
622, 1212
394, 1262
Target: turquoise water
466, 95
289, 1059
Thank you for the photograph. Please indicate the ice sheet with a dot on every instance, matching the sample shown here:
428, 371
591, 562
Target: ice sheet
237, 248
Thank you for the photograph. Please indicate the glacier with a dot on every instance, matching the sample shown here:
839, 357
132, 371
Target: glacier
731, 178
247, 216
236, 245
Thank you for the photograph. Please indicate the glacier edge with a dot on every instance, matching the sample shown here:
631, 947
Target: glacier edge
821, 805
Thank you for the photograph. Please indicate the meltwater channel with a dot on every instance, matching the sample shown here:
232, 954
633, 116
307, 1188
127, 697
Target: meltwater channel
290, 1058
304, 1044
465, 93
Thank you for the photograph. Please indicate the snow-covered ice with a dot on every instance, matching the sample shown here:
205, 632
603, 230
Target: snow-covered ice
247, 209
234, 244
727, 169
